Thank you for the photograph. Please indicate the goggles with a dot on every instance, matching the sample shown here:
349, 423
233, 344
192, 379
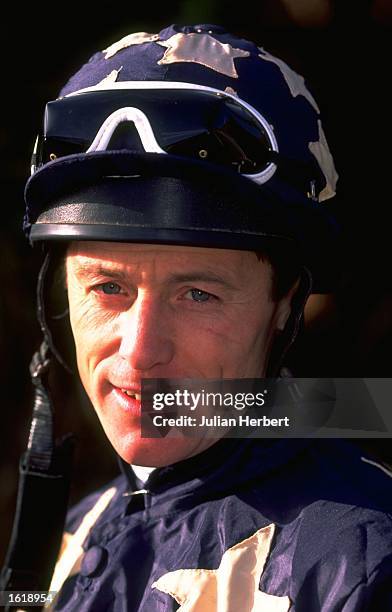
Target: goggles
160, 117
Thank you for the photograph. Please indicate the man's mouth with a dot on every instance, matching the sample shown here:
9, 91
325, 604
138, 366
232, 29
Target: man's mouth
136, 396
130, 400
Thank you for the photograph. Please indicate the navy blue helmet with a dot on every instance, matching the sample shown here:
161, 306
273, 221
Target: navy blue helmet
192, 136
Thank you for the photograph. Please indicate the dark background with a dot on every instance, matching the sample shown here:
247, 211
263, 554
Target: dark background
344, 50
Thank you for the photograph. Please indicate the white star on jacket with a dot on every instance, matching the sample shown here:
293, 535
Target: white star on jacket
233, 586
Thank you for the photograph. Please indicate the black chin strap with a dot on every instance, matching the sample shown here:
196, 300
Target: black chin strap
43, 489
284, 341
41, 311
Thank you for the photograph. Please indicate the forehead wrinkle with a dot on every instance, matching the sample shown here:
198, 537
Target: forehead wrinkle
97, 269
91, 269
233, 277
87, 268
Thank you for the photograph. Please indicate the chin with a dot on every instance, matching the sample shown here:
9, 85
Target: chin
158, 452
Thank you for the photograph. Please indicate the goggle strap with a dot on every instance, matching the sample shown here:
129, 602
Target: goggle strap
125, 115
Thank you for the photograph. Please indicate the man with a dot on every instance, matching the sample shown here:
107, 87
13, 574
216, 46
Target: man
183, 173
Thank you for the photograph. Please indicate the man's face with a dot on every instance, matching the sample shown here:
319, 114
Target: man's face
155, 311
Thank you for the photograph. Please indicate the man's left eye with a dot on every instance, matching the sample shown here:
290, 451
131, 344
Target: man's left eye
200, 296
109, 288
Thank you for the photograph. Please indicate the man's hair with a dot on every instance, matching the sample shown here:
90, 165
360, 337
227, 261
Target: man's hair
286, 268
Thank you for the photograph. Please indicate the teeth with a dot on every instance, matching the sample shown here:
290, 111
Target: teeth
136, 396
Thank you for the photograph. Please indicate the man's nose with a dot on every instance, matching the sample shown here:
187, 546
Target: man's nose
145, 331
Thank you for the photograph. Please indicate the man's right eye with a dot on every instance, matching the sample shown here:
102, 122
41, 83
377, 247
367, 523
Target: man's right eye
109, 288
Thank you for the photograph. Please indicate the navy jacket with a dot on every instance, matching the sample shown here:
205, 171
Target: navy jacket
246, 526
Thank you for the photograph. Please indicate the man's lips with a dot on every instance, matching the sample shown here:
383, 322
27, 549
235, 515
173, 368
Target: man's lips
129, 399
130, 393
129, 387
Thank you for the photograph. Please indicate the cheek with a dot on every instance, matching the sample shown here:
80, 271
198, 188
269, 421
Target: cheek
93, 335
228, 346
245, 342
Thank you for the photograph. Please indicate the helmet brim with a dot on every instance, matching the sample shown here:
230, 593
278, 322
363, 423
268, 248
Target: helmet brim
154, 198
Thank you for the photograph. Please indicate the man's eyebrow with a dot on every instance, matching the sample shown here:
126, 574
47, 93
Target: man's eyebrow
93, 270
206, 277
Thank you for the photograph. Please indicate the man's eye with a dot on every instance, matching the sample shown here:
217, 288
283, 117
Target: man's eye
109, 288
198, 295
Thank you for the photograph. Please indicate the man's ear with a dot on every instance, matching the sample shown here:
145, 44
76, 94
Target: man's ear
284, 306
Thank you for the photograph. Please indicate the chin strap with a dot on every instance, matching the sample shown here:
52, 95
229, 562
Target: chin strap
44, 477
48, 344
284, 341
